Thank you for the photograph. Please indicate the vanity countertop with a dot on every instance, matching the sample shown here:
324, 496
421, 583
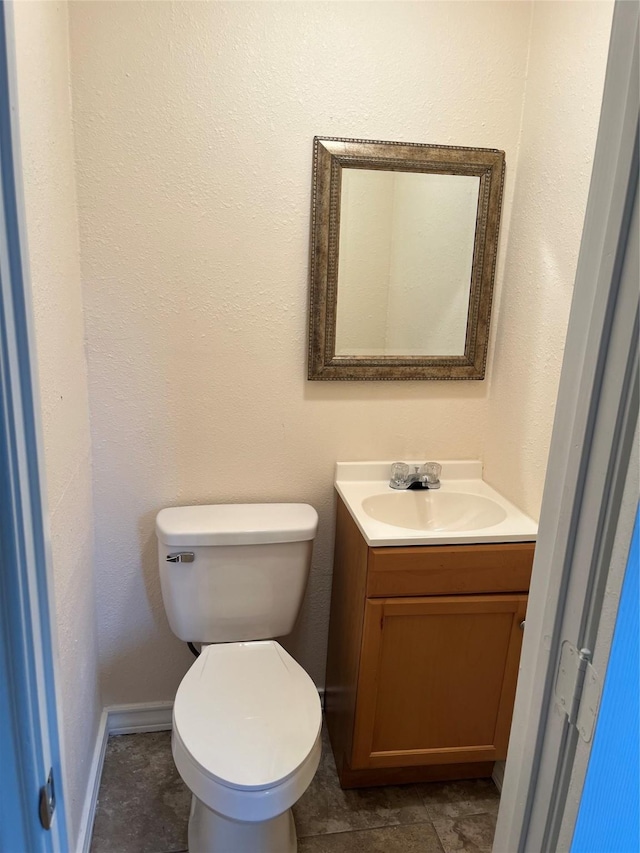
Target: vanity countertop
463, 511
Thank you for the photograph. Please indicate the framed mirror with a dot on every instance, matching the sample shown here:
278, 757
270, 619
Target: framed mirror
403, 250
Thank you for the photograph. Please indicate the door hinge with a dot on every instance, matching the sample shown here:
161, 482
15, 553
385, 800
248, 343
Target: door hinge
578, 689
47, 801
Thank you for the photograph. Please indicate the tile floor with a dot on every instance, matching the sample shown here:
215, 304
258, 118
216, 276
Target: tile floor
143, 807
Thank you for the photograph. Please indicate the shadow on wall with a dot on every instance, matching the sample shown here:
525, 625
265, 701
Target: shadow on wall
516, 464
354, 392
116, 670
134, 659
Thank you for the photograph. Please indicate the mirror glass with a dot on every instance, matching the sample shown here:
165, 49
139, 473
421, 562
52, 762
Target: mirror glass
404, 268
403, 247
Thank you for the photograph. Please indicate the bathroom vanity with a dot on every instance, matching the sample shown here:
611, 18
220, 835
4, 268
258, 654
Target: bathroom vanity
426, 628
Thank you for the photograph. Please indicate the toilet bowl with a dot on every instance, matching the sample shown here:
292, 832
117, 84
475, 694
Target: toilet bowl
247, 718
247, 742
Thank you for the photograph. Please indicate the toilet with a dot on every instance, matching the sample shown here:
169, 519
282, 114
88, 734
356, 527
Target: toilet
247, 718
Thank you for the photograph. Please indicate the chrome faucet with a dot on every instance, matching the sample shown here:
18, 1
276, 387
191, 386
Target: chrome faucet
425, 477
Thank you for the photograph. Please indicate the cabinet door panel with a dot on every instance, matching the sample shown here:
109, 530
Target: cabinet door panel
437, 679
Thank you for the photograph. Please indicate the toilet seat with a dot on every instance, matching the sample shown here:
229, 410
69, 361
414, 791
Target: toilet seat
246, 729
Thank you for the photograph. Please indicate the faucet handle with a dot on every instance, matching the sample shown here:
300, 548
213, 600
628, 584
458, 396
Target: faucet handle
399, 474
431, 472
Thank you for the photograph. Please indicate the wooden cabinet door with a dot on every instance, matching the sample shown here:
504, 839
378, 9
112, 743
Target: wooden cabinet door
437, 679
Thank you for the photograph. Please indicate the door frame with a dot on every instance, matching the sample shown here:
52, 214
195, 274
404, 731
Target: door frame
586, 516
28, 699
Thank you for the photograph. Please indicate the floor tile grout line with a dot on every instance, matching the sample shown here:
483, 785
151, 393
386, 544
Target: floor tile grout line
422, 795
453, 820
459, 816
324, 833
370, 829
398, 826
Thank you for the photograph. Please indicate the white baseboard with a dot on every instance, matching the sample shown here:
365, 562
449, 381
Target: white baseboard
93, 786
117, 720
130, 719
498, 774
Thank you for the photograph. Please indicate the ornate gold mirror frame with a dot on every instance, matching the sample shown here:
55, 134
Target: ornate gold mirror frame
331, 156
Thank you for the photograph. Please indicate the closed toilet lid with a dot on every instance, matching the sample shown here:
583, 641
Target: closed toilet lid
247, 713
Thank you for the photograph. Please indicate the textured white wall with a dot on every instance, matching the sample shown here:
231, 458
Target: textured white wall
42, 53
194, 126
565, 80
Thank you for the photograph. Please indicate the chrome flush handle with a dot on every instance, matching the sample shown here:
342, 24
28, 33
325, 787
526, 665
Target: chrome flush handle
181, 557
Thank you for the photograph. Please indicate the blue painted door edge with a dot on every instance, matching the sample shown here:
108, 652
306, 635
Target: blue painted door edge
28, 714
608, 817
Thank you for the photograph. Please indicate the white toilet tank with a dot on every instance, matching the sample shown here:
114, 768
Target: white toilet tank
233, 572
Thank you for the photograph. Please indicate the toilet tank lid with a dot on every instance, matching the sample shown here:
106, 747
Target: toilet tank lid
236, 524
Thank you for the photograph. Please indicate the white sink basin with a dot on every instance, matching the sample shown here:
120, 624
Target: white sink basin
465, 510
434, 510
